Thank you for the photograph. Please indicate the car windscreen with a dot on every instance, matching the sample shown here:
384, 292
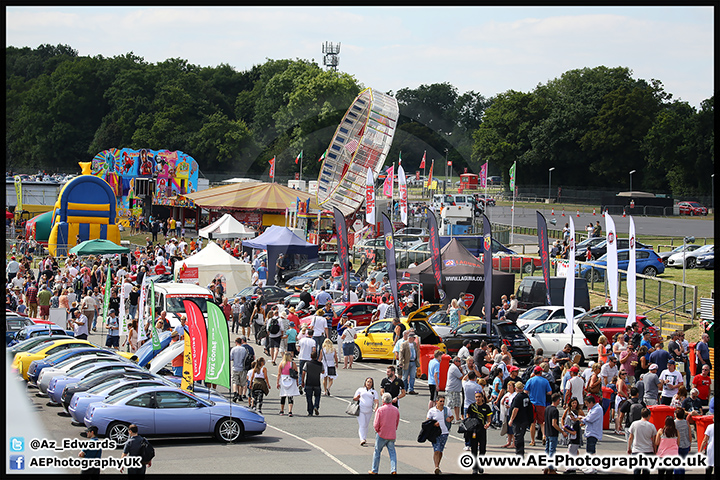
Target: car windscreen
116, 398
535, 314
510, 330
102, 386
176, 305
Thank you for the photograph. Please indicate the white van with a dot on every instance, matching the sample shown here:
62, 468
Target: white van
449, 199
170, 296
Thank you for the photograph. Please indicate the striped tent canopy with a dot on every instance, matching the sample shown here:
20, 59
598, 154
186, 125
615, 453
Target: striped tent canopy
256, 196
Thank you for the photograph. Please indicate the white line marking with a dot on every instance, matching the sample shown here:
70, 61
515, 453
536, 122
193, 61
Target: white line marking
317, 447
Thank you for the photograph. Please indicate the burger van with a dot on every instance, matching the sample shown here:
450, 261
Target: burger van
169, 297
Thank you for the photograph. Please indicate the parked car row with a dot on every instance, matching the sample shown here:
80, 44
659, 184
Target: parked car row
112, 390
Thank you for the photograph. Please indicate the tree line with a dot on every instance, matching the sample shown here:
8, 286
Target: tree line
593, 125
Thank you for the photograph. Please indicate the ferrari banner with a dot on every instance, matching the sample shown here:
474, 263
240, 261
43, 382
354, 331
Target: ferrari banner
544, 251
488, 264
612, 261
390, 261
342, 242
434, 247
631, 277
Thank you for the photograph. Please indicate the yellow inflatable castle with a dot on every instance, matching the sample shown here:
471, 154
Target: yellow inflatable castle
85, 210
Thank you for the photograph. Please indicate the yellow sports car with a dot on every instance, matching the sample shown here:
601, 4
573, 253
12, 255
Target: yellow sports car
437, 316
22, 360
376, 340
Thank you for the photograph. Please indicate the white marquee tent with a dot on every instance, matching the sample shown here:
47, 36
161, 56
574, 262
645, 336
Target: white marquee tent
227, 227
212, 262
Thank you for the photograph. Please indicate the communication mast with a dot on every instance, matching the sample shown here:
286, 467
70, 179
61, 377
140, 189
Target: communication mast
331, 52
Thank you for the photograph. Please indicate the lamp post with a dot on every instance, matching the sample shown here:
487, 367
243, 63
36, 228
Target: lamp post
712, 192
631, 172
686, 240
446, 171
550, 181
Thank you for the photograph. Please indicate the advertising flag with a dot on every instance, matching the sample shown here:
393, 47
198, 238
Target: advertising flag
123, 320
187, 383
569, 299
153, 329
390, 261
106, 296
631, 277
141, 308
388, 183
322, 157
483, 175
434, 247
512, 177
422, 162
399, 159
218, 343
272, 169
299, 157
612, 261
487, 264
18, 193
342, 242
198, 339
544, 251
430, 180
402, 189
370, 198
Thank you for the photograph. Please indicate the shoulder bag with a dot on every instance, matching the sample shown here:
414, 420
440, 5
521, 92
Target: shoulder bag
353, 408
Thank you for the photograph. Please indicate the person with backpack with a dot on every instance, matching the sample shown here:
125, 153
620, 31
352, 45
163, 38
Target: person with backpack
275, 333
138, 446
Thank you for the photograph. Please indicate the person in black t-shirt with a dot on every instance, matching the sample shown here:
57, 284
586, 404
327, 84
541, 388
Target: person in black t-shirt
478, 436
132, 449
552, 427
311, 373
521, 418
393, 385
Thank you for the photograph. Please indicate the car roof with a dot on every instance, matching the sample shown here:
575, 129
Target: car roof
180, 288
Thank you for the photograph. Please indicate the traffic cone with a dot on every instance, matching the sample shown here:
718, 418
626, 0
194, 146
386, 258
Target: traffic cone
623, 213
563, 214
578, 213
593, 211
552, 212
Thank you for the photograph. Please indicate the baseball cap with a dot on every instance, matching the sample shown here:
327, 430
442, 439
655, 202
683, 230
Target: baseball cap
538, 369
513, 368
671, 362
112, 310
574, 369
653, 366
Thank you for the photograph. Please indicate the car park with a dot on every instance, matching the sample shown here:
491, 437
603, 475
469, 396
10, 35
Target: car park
503, 332
647, 262
689, 258
376, 340
158, 408
551, 337
687, 248
691, 208
611, 323
537, 315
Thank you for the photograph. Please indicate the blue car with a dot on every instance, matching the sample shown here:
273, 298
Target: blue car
145, 353
35, 330
57, 384
81, 400
37, 366
706, 261
163, 410
647, 262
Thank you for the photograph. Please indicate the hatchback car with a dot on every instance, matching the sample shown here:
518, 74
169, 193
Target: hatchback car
156, 411
647, 262
692, 208
376, 340
537, 315
551, 337
690, 258
503, 332
611, 323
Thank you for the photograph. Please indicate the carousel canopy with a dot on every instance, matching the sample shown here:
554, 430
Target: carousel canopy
256, 196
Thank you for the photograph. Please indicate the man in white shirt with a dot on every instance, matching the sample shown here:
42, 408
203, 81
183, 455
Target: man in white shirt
171, 247
320, 330
671, 380
182, 246
641, 437
382, 308
608, 371
574, 386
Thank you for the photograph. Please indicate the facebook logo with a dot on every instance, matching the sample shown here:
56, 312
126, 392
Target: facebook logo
17, 462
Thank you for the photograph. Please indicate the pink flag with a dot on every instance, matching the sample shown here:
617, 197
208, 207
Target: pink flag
402, 188
483, 175
272, 169
388, 184
422, 162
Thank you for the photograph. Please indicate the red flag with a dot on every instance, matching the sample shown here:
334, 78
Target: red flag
198, 338
422, 162
429, 183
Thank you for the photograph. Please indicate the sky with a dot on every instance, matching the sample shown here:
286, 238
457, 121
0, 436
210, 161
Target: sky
488, 50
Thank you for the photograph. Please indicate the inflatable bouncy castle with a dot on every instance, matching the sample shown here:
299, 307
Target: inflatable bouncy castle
85, 210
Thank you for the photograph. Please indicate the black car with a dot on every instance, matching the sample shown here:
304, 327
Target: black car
270, 293
288, 274
581, 248
600, 249
503, 331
